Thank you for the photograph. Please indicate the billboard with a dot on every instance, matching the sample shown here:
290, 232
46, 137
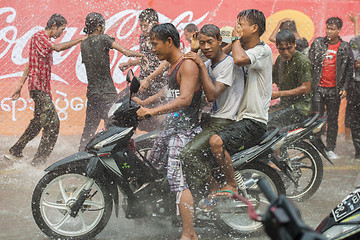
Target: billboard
19, 20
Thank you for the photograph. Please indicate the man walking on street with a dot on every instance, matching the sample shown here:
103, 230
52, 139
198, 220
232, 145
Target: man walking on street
38, 70
332, 65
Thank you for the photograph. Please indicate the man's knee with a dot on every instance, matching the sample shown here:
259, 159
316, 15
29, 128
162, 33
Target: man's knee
215, 141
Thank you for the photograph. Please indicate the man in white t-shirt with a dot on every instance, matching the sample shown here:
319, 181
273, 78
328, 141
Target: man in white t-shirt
223, 84
252, 116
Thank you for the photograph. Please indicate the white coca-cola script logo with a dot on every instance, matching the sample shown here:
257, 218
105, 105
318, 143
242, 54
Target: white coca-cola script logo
9, 35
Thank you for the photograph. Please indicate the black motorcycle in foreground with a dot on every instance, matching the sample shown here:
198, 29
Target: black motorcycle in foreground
282, 220
75, 198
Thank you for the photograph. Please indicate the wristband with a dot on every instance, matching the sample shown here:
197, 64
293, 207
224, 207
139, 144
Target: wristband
234, 39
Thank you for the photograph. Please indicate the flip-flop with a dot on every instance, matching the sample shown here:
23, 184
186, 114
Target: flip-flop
207, 206
226, 196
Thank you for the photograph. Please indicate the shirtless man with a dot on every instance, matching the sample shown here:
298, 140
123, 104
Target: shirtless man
184, 93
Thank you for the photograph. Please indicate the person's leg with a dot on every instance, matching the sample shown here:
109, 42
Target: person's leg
186, 207
51, 124
177, 180
231, 140
224, 160
92, 121
355, 120
32, 130
332, 102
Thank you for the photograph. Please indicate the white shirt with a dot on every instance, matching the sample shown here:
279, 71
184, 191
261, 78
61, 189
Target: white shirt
258, 85
227, 103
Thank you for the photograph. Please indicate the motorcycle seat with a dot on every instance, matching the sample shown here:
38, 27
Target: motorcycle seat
268, 136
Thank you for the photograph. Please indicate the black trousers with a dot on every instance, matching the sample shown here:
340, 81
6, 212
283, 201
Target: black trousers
327, 101
353, 109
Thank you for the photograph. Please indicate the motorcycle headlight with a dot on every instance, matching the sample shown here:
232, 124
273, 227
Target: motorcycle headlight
316, 130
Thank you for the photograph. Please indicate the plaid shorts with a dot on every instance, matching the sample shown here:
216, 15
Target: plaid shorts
165, 155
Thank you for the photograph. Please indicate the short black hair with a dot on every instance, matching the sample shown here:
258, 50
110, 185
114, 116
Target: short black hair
289, 24
56, 19
165, 31
210, 30
254, 16
191, 28
149, 15
92, 21
336, 21
285, 36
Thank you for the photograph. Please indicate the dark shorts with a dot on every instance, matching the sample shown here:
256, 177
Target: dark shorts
241, 133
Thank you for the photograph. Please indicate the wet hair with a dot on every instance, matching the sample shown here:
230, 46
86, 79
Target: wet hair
210, 30
56, 19
92, 21
165, 31
285, 36
254, 16
336, 21
290, 24
191, 28
149, 15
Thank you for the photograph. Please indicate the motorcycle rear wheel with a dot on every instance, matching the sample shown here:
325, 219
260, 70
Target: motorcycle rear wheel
56, 192
235, 218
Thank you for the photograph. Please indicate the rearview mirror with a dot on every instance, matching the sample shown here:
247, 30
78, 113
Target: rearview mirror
133, 80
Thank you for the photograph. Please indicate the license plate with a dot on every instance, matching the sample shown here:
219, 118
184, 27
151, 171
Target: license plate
346, 207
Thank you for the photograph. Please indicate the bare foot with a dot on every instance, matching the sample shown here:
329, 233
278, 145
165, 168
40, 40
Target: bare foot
188, 236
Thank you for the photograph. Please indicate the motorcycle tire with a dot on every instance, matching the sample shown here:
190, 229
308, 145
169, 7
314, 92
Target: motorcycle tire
56, 192
307, 168
236, 221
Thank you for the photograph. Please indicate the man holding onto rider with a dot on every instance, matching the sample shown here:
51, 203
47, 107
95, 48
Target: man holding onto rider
251, 120
184, 94
292, 75
223, 83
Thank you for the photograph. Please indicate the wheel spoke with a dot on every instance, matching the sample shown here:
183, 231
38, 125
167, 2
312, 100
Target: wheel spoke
59, 224
84, 226
63, 191
60, 206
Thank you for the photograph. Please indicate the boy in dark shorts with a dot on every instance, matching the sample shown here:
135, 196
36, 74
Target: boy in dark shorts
256, 56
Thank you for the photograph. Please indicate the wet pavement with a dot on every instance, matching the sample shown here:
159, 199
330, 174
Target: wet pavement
18, 180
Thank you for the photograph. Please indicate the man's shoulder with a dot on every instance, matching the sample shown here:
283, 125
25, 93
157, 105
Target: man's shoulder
301, 57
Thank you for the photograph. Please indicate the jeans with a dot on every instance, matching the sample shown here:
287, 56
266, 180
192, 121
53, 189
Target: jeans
329, 99
45, 119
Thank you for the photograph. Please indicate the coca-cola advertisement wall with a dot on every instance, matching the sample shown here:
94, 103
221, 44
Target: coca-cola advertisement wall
19, 20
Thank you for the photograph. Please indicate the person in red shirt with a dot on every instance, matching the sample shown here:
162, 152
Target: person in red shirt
332, 63
38, 71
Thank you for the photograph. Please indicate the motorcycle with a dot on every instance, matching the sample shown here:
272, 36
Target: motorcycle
282, 220
75, 198
300, 161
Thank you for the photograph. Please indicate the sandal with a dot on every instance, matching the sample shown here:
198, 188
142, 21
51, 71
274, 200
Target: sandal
207, 206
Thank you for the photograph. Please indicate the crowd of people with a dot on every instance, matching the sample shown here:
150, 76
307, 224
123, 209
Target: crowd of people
215, 97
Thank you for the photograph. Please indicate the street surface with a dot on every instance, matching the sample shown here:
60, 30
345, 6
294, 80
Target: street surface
18, 180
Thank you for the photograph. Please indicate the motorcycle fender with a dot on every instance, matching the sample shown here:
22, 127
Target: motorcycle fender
80, 156
320, 146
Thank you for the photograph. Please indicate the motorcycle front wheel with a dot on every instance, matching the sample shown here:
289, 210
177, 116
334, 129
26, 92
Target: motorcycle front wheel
307, 170
56, 192
233, 215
